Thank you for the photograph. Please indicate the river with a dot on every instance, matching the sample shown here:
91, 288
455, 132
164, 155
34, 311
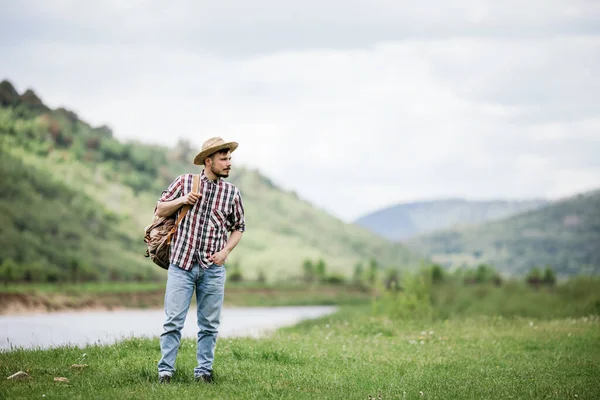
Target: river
106, 327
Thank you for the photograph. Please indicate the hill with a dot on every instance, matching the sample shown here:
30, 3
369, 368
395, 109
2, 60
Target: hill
402, 221
122, 181
53, 233
564, 235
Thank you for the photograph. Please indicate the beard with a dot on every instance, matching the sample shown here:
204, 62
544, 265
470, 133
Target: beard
221, 174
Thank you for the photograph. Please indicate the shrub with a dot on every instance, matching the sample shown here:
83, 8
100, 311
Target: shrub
413, 301
335, 279
235, 273
549, 277
534, 277
392, 278
483, 274
10, 271
261, 277
437, 274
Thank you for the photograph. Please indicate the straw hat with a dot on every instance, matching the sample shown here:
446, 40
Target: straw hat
211, 146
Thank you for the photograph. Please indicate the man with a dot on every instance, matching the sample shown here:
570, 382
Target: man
199, 250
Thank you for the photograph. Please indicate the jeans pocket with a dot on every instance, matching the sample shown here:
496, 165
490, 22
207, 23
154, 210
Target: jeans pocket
214, 281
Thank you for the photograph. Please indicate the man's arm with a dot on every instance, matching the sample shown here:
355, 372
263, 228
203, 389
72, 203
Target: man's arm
234, 239
171, 199
166, 208
238, 228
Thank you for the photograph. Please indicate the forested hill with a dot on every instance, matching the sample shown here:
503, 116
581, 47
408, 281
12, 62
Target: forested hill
76, 201
402, 221
564, 235
52, 232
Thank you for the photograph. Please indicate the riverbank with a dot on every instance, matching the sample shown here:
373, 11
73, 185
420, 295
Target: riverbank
350, 354
51, 330
29, 299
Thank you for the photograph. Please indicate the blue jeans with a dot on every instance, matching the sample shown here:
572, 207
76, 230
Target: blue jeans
210, 286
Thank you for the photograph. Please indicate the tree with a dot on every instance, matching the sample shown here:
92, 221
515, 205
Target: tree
321, 270
549, 276
74, 269
358, 273
437, 274
309, 270
6, 120
34, 272
53, 274
392, 279
484, 273
8, 94
372, 276
111, 149
93, 143
8, 271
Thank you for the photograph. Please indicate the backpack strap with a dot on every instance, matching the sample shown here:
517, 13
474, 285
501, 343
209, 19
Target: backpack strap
185, 209
187, 206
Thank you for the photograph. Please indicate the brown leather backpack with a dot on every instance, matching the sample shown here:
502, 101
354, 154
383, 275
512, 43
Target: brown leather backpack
158, 234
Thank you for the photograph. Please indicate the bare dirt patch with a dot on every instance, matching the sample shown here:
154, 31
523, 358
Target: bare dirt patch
28, 303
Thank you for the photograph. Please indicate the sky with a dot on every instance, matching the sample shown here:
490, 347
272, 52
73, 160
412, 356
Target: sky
355, 105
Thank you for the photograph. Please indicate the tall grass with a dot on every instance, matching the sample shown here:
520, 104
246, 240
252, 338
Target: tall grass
418, 296
576, 298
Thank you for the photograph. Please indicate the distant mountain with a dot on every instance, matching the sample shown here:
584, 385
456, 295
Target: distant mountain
82, 198
403, 221
564, 234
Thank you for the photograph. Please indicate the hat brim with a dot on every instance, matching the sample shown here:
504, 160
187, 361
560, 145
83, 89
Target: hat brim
199, 159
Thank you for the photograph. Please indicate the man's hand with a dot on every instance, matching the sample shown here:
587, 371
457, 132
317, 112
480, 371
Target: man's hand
191, 198
166, 208
219, 257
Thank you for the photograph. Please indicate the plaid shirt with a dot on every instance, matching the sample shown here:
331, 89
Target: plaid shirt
203, 231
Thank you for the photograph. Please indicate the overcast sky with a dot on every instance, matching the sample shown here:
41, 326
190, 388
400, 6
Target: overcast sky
355, 104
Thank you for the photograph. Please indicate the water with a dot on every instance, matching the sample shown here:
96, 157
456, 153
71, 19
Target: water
107, 327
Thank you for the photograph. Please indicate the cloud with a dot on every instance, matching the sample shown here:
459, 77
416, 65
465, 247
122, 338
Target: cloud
355, 107
236, 28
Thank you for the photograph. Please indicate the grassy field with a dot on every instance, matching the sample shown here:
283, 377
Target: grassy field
427, 341
350, 355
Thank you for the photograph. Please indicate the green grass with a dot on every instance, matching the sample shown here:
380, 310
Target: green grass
580, 296
295, 295
349, 355
471, 341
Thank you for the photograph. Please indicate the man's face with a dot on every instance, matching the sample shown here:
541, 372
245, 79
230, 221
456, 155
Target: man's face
220, 164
